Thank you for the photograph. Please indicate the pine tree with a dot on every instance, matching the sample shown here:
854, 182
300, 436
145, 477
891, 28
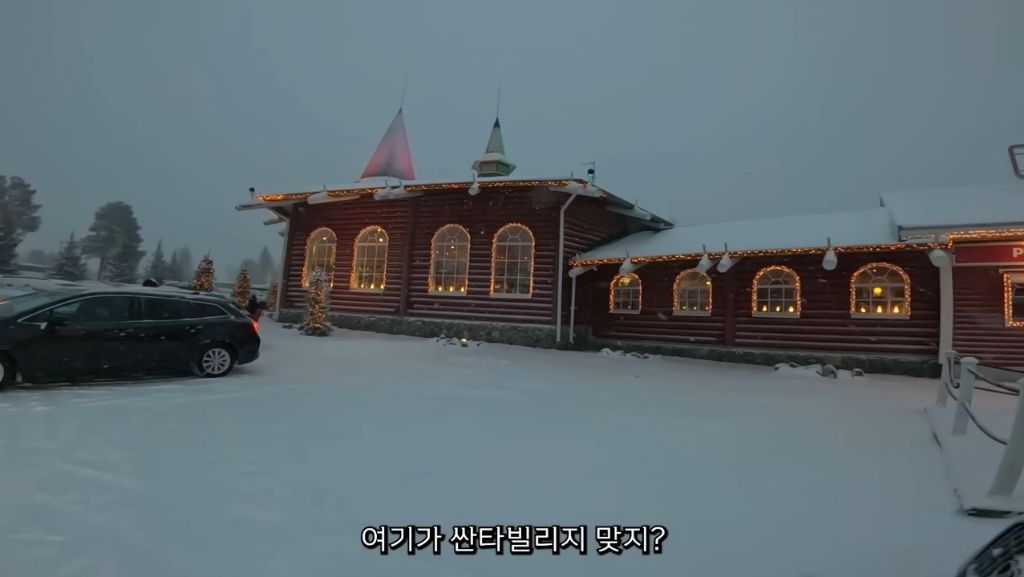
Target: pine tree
241, 292
114, 239
17, 218
157, 268
69, 261
174, 267
316, 307
123, 264
185, 263
265, 267
203, 280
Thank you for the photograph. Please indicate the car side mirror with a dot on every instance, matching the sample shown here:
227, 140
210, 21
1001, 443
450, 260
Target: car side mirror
54, 323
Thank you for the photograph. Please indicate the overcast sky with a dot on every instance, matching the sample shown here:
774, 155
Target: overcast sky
702, 110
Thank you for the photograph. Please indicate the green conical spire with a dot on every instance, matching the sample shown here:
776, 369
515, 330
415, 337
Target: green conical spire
493, 162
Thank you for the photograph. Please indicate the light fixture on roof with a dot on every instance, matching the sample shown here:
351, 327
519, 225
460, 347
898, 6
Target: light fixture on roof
726, 263
705, 263
628, 266
830, 260
1017, 159
474, 189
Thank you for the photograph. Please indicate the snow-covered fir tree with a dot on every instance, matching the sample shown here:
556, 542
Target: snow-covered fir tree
69, 264
157, 268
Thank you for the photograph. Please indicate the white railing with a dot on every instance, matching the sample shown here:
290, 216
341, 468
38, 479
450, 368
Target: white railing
961, 389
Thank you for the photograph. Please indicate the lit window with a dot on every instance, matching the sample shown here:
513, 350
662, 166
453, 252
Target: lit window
1013, 299
512, 261
449, 261
370, 260
320, 247
776, 293
625, 294
880, 290
692, 292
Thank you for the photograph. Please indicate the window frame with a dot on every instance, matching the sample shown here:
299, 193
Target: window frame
700, 276
1011, 278
854, 285
133, 310
639, 290
797, 294
494, 261
434, 261
356, 245
331, 261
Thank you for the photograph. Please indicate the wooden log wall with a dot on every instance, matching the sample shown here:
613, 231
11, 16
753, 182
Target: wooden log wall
979, 328
825, 323
411, 225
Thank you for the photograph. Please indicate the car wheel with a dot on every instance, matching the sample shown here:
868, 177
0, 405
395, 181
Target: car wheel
214, 360
6, 371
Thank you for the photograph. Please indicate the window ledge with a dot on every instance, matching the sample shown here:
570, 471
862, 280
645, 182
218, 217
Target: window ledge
691, 313
512, 296
623, 312
894, 316
780, 315
368, 291
447, 294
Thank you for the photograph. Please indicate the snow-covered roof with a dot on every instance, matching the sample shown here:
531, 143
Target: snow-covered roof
958, 207
851, 228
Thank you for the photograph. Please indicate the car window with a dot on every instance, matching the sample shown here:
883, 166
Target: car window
101, 309
207, 310
154, 309
160, 309
23, 303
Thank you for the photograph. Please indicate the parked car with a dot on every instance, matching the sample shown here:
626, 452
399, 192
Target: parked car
81, 334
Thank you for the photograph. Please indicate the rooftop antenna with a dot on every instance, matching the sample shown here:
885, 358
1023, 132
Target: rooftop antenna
592, 171
497, 109
405, 83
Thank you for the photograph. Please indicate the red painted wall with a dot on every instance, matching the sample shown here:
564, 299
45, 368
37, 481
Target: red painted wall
978, 325
825, 323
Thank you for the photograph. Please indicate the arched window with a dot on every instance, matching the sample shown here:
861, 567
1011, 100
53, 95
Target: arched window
880, 290
369, 260
626, 294
776, 293
449, 261
512, 261
320, 247
692, 293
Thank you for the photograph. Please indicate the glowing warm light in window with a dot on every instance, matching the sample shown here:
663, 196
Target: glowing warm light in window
1013, 299
775, 292
692, 293
512, 261
449, 261
880, 289
369, 260
320, 248
625, 294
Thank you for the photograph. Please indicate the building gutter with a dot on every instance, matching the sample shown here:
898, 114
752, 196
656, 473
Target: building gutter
561, 266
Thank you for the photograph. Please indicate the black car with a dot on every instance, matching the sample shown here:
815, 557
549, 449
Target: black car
75, 335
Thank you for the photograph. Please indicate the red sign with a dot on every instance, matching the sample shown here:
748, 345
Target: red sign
993, 254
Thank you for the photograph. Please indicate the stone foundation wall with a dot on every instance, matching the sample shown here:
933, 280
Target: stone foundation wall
543, 336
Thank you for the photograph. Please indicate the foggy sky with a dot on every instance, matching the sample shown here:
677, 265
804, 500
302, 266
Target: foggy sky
702, 110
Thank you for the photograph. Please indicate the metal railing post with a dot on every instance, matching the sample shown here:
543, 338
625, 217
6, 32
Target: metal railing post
1008, 473
946, 379
968, 365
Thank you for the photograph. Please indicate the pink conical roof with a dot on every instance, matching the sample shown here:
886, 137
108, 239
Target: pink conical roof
392, 157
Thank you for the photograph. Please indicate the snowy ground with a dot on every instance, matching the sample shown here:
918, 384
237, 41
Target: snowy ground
276, 469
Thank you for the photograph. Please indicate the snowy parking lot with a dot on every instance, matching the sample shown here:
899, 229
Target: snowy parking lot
276, 469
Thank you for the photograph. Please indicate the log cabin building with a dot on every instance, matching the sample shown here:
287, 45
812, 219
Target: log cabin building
563, 262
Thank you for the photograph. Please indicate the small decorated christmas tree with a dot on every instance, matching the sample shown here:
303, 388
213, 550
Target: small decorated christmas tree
316, 307
242, 287
204, 275
272, 296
